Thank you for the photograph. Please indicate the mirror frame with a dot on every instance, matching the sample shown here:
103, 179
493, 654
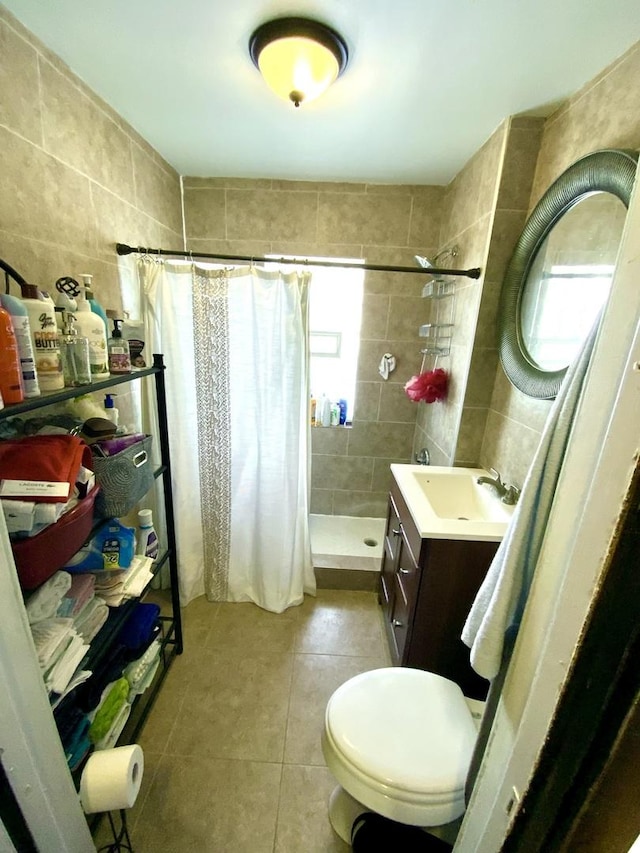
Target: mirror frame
609, 170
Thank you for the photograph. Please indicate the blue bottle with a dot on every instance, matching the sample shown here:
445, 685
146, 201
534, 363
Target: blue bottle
343, 411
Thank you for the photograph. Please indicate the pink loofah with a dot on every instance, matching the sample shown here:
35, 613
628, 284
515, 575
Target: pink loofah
429, 386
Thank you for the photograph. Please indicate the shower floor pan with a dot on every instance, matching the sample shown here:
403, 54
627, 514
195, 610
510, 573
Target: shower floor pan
347, 551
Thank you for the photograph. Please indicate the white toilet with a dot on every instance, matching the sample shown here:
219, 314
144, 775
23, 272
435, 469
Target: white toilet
399, 741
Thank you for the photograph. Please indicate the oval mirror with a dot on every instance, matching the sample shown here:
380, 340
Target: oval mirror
561, 269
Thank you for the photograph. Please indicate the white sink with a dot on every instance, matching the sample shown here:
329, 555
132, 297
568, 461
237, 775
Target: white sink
449, 503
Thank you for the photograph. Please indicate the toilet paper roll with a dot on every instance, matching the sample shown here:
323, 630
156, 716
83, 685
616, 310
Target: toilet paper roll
111, 779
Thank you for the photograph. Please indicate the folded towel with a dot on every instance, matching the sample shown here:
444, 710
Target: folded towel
48, 635
44, 602
139, 626
79, 745
115, 699
109, 740
43, 459
59, 674
91, 618
77, 595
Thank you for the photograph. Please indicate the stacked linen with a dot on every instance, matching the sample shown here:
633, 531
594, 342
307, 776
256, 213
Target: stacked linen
60, 651
91, 618
115, 587
109, 718
79, 593
45, 601
140, 672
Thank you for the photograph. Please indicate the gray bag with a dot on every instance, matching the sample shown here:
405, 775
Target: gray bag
124, 479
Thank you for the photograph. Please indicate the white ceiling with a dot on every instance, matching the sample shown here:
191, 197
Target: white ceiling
427, 82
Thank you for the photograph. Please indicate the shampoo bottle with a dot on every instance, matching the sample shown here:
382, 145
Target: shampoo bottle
74, 349
44, 338
20, 322
10, 374
119, 357
90, 325
95, 306
147, 544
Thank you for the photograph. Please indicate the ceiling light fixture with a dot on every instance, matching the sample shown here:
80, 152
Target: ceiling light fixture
298, 58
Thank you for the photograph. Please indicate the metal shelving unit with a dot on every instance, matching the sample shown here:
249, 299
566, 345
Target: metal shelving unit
170, 625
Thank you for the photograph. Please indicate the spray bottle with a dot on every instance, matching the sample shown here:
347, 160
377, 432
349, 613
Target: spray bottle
147, 544
76, 367
110, 410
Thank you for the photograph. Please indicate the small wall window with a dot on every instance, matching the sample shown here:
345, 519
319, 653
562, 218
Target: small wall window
335, 316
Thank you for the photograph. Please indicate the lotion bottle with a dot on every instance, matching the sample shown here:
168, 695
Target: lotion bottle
90, 325
95, 306
10, 374
44, 338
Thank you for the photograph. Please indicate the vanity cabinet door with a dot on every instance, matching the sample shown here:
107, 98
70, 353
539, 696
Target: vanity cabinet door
451, 575
389, 558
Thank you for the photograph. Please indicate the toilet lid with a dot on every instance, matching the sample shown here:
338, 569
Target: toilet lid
406, 728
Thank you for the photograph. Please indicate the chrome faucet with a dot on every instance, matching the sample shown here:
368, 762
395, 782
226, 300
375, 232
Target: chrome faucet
508, 494
495, 482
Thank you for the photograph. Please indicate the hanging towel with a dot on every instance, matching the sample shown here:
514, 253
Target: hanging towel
502, 597
387, 365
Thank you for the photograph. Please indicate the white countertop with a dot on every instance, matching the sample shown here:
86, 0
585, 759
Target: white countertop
460, 508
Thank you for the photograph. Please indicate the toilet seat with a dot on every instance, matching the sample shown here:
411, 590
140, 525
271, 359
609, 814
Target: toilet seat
400, 741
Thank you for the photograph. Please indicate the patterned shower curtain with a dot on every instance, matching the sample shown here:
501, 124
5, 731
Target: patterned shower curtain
235, 344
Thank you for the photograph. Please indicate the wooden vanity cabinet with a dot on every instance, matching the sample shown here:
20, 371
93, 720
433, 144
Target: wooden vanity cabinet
427, 587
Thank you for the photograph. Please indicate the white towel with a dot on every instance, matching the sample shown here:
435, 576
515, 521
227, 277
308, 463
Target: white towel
502, 597
45, 601
387, 365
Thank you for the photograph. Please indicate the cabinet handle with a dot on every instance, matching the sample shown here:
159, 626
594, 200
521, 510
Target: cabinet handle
397, 623
404, 571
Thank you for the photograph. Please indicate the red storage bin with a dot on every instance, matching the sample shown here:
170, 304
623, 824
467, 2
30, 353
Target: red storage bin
38, 557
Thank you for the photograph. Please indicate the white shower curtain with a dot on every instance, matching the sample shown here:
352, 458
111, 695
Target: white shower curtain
235, 347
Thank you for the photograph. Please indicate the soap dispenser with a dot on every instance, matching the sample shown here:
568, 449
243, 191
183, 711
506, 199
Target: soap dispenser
74, 349
119, 357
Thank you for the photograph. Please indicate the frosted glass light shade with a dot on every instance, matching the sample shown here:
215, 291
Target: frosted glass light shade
299, 59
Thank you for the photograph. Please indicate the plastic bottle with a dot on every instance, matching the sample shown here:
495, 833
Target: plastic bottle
334, 414
90, 325
119, 357
95, 306
147, 544
74, 349
10, 373
110, 410
22, 331
325, 411
312, 410
342, 403
44, 338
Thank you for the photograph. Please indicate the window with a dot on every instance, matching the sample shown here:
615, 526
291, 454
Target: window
335, 315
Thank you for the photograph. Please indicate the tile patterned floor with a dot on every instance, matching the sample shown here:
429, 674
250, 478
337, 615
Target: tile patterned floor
232, 746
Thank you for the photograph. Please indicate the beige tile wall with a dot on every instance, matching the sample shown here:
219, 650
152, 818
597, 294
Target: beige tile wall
449, 428
383, 224
76, 178
604, 114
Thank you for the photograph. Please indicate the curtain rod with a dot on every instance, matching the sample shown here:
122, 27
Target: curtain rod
123, 249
